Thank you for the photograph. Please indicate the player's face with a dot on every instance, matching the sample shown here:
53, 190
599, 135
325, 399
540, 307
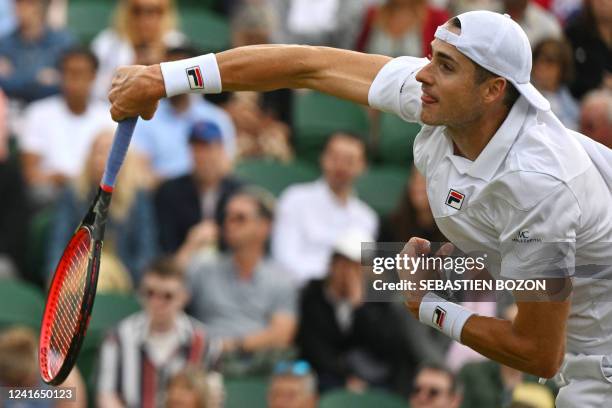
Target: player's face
451, 95
432, 389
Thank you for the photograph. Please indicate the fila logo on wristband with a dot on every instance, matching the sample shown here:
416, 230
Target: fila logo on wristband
194, 75
438, 317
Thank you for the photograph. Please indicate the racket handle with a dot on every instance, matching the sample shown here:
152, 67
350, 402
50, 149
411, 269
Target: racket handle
123, 135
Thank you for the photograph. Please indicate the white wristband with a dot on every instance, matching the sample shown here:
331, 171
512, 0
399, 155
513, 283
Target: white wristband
193, 75
448, 317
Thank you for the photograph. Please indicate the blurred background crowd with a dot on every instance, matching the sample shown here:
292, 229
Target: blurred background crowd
231, 266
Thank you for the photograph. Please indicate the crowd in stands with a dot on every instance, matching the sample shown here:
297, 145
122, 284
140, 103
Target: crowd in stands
236, 223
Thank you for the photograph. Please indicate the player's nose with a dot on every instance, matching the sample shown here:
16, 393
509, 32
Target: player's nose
424, 75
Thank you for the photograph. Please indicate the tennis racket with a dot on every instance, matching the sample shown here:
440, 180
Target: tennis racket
71, 295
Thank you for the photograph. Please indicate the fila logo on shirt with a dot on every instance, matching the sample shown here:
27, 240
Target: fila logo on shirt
454, 199
194, 75
438, 317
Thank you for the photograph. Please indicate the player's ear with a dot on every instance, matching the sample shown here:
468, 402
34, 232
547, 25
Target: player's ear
495, 89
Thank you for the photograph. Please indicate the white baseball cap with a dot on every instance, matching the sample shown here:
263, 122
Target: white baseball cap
497, 43
348, 244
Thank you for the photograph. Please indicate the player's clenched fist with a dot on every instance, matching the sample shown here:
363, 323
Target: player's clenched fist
135, 91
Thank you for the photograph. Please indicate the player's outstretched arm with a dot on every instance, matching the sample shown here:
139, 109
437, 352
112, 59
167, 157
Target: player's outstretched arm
135, 90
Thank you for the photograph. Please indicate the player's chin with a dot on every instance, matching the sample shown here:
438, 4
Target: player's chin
430, 116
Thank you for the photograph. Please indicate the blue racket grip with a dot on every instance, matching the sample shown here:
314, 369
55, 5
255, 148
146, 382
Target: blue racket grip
123, 136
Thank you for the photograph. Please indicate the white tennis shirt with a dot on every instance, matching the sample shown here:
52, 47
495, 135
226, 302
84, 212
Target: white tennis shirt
538, 198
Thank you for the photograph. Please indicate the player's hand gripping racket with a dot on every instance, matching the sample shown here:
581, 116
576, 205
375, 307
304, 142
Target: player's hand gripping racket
71, 294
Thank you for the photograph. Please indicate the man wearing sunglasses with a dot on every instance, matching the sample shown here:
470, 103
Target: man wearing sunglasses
435, 387
147, 348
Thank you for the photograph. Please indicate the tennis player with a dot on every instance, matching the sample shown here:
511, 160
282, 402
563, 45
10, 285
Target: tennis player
502, 172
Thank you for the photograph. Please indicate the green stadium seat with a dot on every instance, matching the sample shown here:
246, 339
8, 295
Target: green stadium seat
382, 186
246, 392
39, 229
368, 399
206, 30
87, 18
20, 304
316, 116
396, 140
275, 176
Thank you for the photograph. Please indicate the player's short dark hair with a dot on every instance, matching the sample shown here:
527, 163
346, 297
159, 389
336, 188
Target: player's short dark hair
79, 51
165, 267
482, 74
455, 386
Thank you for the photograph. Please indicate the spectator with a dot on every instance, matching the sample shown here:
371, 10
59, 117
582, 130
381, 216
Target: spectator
435, 387
462, 6
147, 348
141, 32
190, 208
324, 22
191, 388
7, 17
58, 131
14, 209
552, 72
596, 116
350, 343
538, 23
19, 369
412, 217
489, 384
129, 243
29, 54
311, 216
242, 296
400, 27
262, 119
169, 156
590, 34
293, 385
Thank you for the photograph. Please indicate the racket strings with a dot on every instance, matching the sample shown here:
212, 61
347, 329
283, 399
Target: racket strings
69, 300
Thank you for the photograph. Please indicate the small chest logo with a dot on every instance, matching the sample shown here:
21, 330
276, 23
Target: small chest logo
194, 75
455, 199
438, 317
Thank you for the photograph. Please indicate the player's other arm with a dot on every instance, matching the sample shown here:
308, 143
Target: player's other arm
534, 342
346, 74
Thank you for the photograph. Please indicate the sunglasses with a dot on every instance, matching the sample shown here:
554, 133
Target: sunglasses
298, 368
165, 295
430, 392
238, 218
139, 11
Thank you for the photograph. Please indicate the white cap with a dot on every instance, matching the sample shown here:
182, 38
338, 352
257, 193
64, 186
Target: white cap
497, 43
349, 244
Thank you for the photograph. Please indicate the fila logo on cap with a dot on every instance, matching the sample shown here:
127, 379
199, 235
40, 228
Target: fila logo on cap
438, 317
455, 199
194, 75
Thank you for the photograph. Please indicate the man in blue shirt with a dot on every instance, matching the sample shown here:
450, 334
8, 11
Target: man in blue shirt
29, 54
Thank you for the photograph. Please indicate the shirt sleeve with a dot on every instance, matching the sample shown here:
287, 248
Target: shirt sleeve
109, 365
33, 138
396, 90
540, 242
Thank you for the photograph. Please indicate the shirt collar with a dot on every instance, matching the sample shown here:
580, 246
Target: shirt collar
495, 152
